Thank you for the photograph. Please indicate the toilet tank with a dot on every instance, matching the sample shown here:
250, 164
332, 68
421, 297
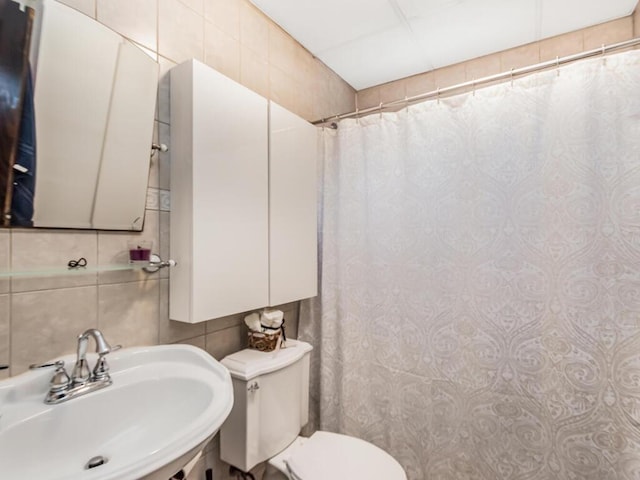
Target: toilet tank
271, 403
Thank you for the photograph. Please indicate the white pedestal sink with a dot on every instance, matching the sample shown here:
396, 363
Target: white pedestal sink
165, 403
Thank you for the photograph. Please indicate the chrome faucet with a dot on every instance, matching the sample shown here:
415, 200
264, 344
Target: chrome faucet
63, 387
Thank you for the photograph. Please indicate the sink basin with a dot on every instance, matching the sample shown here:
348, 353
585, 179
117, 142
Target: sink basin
165, 404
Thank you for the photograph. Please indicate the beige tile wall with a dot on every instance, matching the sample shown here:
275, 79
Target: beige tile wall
41, 316
562, 45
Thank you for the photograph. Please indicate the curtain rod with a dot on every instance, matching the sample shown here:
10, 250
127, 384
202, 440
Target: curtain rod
474, 83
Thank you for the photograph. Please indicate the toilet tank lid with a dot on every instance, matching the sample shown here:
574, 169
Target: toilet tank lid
249, 363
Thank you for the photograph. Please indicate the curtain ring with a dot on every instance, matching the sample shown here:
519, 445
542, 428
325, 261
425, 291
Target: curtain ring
406, 104
603, 49
438, 94
380, 107
473, 86
558, 65
511, 76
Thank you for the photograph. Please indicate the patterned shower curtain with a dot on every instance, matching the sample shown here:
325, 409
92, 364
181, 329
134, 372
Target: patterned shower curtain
479, 315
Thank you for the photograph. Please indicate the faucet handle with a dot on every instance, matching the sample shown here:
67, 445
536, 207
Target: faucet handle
60, 380
57, 364
101, 370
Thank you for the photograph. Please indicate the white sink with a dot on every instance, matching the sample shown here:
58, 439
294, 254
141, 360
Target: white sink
165, 403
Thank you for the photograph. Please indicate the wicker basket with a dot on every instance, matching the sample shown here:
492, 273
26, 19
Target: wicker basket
265, 342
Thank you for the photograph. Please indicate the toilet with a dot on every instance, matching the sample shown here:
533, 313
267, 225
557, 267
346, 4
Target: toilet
271, 405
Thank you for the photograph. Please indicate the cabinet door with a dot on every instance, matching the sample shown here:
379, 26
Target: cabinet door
292, 207
219, 181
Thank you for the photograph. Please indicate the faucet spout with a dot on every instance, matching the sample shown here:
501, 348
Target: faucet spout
102, 346
81, 373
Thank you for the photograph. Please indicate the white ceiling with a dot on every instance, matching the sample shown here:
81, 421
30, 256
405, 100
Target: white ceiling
369, 42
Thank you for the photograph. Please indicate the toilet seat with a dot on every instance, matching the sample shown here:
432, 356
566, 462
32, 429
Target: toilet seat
332, 456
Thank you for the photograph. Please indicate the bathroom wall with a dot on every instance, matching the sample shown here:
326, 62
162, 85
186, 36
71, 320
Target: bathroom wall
40, 317
562, 45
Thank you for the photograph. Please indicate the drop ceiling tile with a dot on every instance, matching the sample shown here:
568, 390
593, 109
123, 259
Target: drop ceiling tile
377, 58
474, 29
426, 8
323, 25
569, 15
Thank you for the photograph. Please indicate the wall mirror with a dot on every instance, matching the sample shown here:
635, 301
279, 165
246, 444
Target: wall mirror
94, 97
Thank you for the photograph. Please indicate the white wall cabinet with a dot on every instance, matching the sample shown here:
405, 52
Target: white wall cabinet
243, 222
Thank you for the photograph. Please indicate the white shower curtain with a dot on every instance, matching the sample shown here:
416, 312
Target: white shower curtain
479, 315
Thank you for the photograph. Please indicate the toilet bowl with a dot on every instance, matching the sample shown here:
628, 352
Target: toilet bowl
271, 402
326, 455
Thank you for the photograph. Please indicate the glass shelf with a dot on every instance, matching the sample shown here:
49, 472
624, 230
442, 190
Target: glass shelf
66, 271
